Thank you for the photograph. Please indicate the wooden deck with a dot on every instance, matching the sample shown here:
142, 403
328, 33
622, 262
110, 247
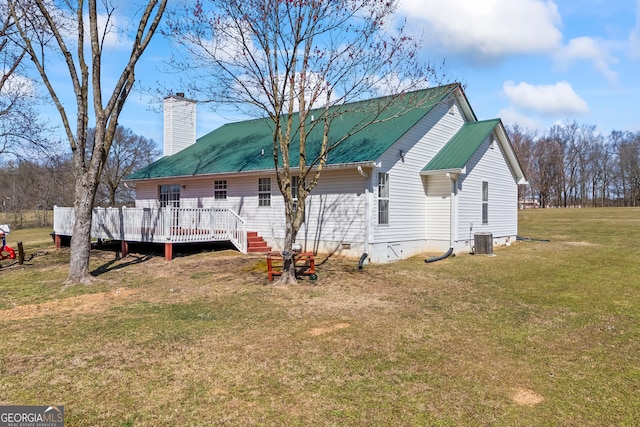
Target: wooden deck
162, 225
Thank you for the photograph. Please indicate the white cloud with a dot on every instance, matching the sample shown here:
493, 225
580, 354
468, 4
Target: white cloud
18, 86
112, 29
488, 29
108, 26
548, 100
589, 49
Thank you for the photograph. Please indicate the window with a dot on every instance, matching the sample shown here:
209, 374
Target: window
294, 192
264, 191
383, 198
220, 190
169, 195
294, 188
485, 202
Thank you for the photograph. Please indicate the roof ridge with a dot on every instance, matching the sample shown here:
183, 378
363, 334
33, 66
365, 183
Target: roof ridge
446, 90
496, 119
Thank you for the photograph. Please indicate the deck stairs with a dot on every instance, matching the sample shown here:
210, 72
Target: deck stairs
256, 244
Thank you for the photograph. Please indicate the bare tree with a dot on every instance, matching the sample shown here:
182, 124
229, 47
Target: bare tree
20, 125
523, 141
50, 30
129, 152
601, 173
574, 165
288, 60
548, 176
626, 148
35, 187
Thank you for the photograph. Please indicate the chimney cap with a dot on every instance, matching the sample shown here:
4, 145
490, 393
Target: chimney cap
178, 96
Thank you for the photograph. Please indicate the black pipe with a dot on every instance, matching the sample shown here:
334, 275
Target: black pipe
530, 239
446, 255
362, 259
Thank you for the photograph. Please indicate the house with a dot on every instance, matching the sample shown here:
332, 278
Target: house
422, 178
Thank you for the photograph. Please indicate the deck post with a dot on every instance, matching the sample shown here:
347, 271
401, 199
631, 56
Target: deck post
121, 217
124, 248
58, 240
168, 251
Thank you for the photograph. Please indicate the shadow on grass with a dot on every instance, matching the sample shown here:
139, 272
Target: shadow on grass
142, 252
112, 266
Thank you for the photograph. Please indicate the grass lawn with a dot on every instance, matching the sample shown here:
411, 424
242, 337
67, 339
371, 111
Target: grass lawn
543, 333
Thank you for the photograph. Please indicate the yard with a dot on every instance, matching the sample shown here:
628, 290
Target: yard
542, 333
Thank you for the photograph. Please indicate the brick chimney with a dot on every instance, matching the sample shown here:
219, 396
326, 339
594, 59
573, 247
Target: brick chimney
179, 123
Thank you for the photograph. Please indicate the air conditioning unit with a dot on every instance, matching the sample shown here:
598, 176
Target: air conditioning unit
483, 243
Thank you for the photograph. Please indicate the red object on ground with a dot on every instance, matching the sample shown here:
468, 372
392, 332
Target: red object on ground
274, 265
6, 252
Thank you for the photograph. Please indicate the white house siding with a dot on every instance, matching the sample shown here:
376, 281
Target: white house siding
488, 164
335, 209
147, 195
336, 216
410, 223
438, 212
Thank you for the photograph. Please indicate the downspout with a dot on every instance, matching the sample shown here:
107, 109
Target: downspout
452, 218
454, 208
367, 218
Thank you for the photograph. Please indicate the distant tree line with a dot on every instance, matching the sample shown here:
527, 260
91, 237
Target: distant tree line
573, 165
29, 189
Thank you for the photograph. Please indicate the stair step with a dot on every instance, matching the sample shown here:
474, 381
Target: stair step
256, 243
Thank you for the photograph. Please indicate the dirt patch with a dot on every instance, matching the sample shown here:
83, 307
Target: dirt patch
81, 304
523, 396
580, 244
326, 330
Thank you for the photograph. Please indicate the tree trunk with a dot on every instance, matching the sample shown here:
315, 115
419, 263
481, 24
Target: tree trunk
288, 276
81, 239
112, 195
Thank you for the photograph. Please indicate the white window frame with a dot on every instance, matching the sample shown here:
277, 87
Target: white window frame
169, 195
485, 202
264, 192
220, 189
383, 198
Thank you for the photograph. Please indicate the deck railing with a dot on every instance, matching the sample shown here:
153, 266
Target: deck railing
159, 225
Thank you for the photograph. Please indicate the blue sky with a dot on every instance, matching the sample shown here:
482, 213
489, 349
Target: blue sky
532, 62
540, 62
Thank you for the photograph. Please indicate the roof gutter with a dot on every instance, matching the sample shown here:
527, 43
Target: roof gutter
339, 166
456, 171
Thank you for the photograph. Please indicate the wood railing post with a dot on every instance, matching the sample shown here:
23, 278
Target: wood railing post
121, 216
212, 222
166, 212
20, 253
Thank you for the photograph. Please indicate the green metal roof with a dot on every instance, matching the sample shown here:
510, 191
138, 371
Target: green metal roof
457, 152
238, 147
